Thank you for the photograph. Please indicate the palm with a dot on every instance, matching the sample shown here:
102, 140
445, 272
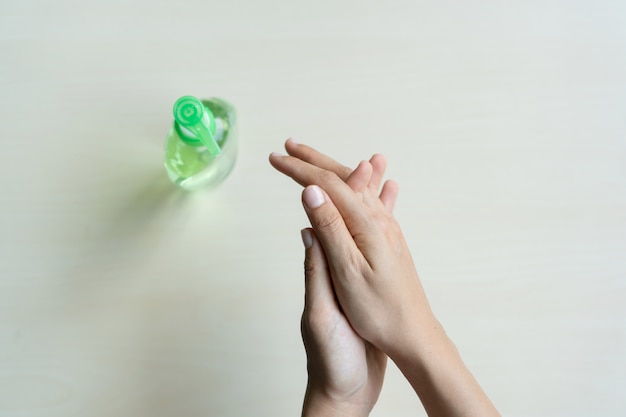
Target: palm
348, 367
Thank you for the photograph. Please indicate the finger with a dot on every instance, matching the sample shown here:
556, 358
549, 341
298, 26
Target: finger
353, 211
313, 157
316, 158
389, 195
379, 165
360, 177
318, 290
329, 226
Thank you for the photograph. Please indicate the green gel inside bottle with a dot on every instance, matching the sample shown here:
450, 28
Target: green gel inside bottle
201, 147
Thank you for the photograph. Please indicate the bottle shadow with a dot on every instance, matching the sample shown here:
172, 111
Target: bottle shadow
122, 224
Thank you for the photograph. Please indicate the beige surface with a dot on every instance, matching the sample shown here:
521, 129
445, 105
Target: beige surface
505, 126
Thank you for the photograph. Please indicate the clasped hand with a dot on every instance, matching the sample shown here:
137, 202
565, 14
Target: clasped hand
363, 297
362, 265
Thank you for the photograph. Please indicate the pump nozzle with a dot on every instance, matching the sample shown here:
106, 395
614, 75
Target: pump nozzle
197, 121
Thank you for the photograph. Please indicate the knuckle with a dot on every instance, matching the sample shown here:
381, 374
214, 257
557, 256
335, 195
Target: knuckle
344, 172
329, 223
350, 270
328, 177
310, 267
361, 238
383, 221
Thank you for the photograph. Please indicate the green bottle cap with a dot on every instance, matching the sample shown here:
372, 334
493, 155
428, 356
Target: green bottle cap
197, 121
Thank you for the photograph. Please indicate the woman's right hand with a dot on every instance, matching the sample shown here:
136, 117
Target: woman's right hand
372, 270
375, 280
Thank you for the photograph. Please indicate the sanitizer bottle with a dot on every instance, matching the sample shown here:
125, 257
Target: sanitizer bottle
201, 147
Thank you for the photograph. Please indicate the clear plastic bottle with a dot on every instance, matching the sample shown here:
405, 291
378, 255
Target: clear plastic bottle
201, 147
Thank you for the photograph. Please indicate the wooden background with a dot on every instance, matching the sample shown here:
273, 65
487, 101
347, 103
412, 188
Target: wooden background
503, 122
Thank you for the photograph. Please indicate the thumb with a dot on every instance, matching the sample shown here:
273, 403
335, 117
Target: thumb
330, 227
318, 290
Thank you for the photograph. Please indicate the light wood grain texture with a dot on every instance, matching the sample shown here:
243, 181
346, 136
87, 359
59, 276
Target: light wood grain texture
503, 122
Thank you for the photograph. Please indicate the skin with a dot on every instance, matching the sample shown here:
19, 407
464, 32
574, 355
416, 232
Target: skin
364, 298
346, 372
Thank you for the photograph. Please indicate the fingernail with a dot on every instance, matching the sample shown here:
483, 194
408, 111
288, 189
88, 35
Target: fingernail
276, 155
293, 141
313, 197
307, 238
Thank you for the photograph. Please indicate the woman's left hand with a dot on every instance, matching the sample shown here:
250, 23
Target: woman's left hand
345, 372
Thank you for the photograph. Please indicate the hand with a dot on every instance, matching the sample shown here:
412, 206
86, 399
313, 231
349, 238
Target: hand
345, 372
376, 283
356, 179
371, 267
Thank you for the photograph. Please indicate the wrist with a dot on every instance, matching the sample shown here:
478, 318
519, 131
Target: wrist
418, 341
435, 370
424, 351
318, 403
427, 357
